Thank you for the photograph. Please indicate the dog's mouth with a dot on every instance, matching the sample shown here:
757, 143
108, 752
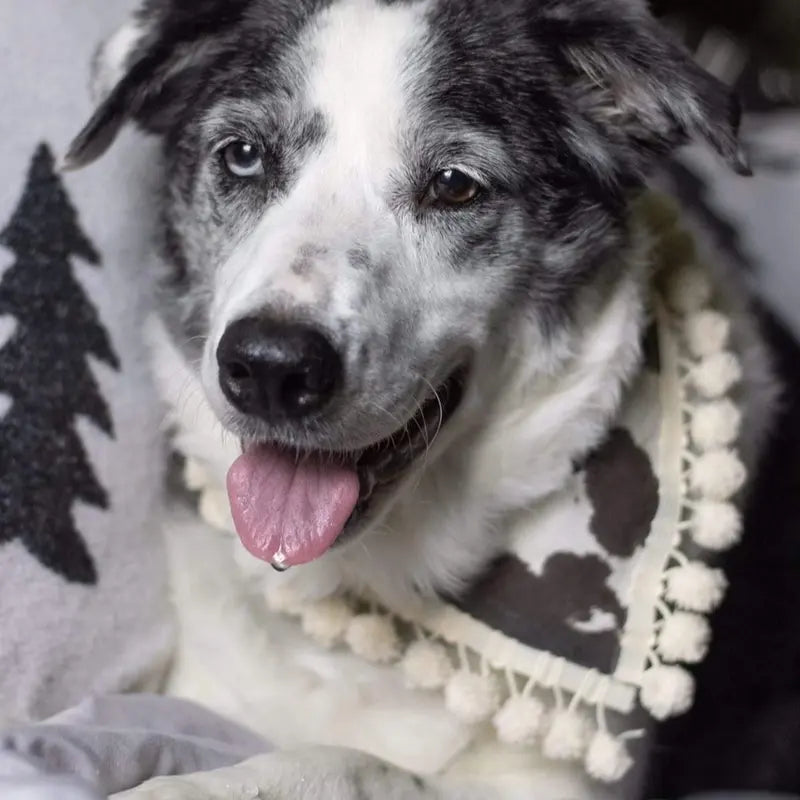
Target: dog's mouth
290, 507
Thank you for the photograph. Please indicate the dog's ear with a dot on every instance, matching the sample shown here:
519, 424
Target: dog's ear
633, 77
148, 71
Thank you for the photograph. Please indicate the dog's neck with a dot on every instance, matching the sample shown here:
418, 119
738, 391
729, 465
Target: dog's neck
515, 440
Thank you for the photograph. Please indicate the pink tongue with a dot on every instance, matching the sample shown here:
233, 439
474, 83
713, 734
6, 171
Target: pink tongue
287, 512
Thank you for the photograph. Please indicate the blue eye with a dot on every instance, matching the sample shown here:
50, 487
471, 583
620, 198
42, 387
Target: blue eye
243, 159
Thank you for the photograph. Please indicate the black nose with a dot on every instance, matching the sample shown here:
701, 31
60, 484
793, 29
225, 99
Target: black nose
276, 370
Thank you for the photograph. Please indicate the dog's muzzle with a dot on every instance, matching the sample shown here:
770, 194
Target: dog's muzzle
290, 505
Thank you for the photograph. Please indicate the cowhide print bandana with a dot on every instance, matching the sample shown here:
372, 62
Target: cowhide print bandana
601, 600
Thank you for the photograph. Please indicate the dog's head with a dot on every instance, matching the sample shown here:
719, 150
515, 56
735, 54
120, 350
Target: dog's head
365, 198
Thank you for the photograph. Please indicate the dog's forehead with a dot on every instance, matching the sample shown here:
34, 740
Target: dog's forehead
405, 78
363, 60
360, 51
403, 83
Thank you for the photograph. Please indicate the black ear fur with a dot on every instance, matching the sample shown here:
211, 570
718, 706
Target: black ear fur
640, 81
108, 118
184, 34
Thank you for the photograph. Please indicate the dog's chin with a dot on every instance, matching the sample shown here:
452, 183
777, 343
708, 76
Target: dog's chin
381, 466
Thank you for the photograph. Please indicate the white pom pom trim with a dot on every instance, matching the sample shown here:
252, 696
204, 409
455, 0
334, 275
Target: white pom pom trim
667, 691
707, 333
327, 621
607, 759
473, 698
373, 637
688, 290
568, 736
716, 375
715, 425
716, 526
216, 510
685, 637
520, 720
282, 599
695, 587
195, 475
427, 665
717, 475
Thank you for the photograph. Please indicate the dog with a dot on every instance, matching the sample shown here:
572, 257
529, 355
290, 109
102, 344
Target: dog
398, 272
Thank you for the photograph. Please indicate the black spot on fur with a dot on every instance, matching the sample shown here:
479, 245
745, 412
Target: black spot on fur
542, 610
359, 258
175, 255
303, 264
623, 490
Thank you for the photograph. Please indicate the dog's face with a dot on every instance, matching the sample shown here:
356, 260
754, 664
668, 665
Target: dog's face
365, 197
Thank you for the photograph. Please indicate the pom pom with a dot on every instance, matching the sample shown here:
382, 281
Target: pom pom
718, 475
688, 289
716, 375
195, 475
675, 250
716, 526
215, 509
695, 587
707, 333
715, 425
667, 691
373, 637
427, 665
472, 698
326, 621
282, 599
659, 211
519, 721
684, 637
568, 737
607, 759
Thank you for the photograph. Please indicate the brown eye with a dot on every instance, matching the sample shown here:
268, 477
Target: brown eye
451, 187
242, 159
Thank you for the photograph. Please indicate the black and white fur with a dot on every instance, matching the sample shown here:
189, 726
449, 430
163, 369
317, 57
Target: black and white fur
559, 110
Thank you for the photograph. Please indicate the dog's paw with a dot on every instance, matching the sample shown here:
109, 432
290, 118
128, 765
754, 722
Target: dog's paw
308, 774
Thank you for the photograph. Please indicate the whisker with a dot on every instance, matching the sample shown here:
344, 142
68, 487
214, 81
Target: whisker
441, 412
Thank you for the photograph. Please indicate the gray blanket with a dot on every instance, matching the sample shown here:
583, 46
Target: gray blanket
110, 744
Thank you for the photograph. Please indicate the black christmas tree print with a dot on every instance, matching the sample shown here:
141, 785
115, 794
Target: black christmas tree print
45, 373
